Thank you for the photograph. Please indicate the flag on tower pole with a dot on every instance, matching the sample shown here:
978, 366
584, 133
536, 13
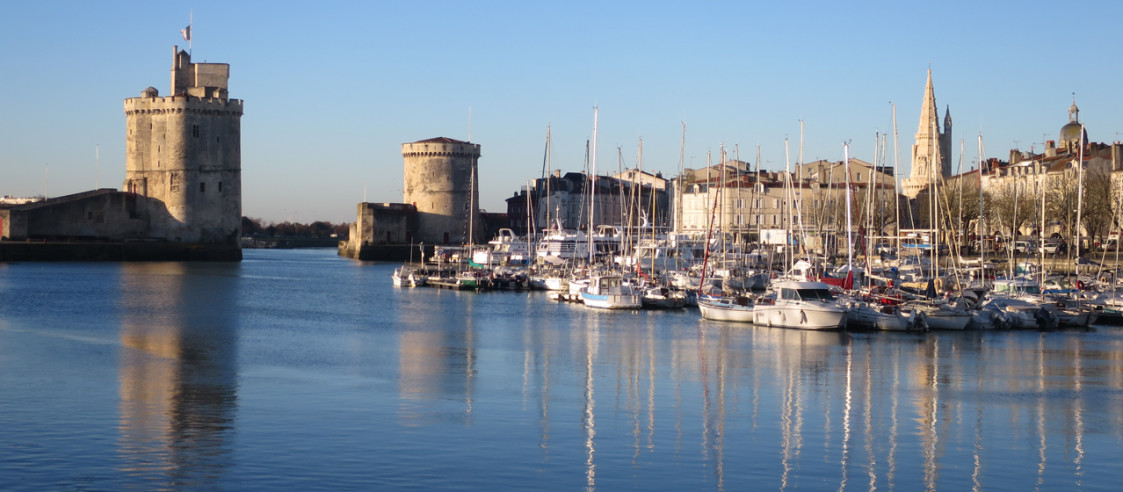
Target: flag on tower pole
186, 32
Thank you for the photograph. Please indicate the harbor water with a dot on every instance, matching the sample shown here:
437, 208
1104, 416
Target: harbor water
300, 370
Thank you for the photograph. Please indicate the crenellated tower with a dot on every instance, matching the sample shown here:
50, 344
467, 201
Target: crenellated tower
441, 180
183, 153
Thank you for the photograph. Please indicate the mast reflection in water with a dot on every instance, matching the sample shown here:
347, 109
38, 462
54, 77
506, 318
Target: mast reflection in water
298, 369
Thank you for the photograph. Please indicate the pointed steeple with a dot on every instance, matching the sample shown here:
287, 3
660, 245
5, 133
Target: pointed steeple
926, 149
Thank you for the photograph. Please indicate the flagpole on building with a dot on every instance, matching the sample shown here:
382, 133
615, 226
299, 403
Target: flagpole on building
186, 32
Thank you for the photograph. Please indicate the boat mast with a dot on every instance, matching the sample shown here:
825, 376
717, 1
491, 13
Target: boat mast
549, 177
529, 224
798, 202
982, 217
592, 188
709, 234
896, 180
678, 189
871, 188
1080, 197
849, 226
789, 255
1041, 185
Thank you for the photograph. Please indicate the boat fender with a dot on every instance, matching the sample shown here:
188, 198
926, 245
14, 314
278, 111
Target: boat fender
1080, 284
802, 317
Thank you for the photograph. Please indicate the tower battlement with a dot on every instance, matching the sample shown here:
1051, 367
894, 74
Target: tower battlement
183, 105
441, 147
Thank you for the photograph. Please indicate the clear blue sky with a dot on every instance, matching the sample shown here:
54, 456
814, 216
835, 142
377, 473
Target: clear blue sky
332, 89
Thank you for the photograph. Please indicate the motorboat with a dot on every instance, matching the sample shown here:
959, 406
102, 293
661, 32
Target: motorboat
661, 297
805, 305
610, 292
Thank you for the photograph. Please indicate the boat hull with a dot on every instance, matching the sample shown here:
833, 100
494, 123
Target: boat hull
800, 316
611, 301
725, 310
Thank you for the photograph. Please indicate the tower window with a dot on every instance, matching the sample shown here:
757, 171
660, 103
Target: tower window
202, 187
220, 186
194, 130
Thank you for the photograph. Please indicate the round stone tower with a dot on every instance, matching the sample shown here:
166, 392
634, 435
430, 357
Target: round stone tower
184, 154
442, 182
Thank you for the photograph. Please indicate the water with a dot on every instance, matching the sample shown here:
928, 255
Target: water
302, 370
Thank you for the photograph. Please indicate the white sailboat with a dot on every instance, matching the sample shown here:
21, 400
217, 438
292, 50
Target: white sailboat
737, 308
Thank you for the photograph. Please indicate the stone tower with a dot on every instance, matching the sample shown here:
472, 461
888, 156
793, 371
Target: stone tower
184, 154
441, 180
932, 147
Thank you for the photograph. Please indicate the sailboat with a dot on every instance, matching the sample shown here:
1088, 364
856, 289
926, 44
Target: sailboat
606, 291
721, 308
861, 314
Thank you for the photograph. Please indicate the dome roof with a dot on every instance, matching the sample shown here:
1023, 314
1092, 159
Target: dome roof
1071, 132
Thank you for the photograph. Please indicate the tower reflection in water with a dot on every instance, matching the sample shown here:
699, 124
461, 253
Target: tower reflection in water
177, 372
437, 363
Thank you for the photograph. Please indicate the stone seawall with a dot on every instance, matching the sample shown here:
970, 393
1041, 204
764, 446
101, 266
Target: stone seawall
382, 252
116, 251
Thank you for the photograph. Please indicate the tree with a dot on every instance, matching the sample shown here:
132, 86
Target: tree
1010, 208
960, 207
1099, 196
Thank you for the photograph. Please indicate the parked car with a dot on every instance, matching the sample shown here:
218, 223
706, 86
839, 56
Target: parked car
1053, 246
1019, 247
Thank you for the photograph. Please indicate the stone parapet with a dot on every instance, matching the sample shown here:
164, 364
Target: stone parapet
183, 105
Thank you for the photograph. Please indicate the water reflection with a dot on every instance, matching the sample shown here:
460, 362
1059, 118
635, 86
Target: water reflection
177, 372
437, 361
673, 400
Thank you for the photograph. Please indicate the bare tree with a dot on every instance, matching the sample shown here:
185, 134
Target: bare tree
1099, 196
1009, 209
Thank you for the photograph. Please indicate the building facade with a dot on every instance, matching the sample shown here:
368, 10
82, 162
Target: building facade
1070, 173
631, 198
812, 196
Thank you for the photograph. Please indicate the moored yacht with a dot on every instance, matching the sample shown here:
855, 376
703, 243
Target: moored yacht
804, 305
610, 292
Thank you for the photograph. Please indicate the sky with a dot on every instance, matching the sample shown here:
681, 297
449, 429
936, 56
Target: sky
332, 89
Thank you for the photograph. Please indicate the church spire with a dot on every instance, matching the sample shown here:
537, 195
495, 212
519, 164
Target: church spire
930, 143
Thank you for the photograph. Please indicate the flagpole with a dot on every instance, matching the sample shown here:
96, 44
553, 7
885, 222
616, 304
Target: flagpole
190, 21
